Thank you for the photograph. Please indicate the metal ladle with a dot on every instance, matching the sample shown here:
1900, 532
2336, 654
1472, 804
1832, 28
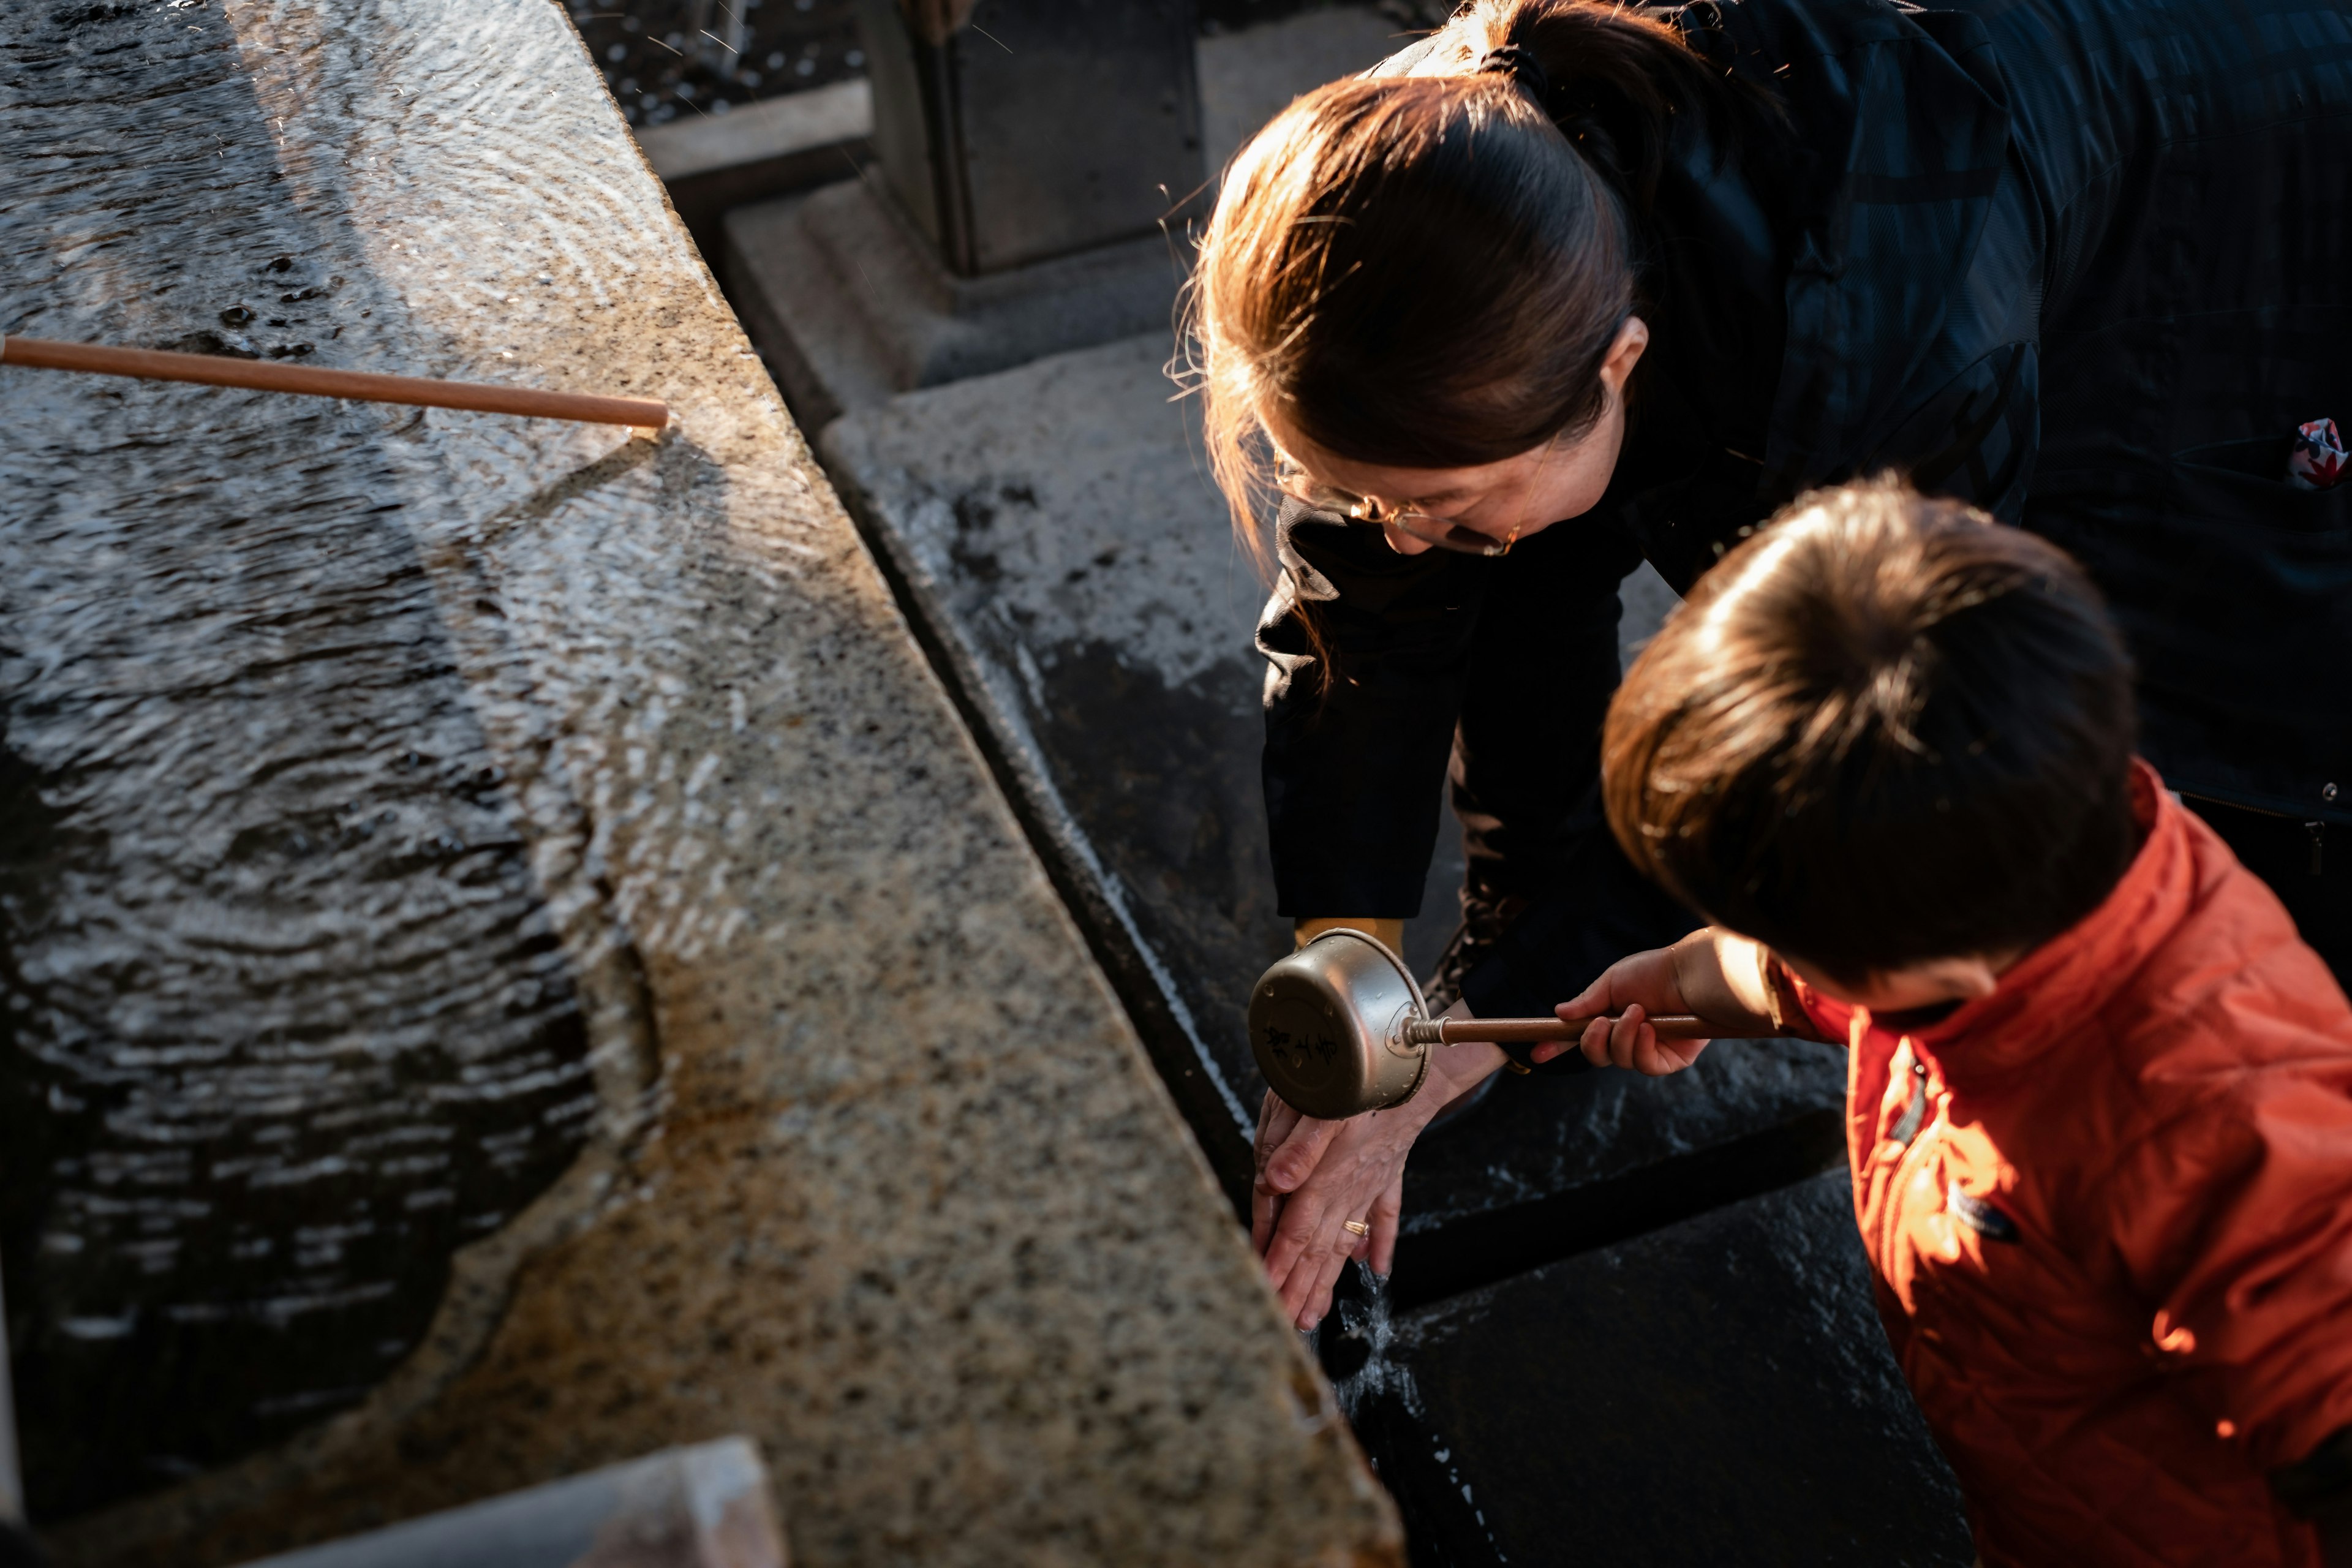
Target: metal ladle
1340, 1027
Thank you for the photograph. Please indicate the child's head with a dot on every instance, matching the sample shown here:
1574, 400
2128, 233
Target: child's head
1885, 731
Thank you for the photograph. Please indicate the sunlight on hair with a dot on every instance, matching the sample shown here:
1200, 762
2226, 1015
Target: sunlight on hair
1763, 561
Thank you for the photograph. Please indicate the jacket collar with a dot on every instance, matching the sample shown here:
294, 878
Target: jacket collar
2051, 992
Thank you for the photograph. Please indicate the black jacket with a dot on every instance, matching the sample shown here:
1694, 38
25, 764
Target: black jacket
2086, 263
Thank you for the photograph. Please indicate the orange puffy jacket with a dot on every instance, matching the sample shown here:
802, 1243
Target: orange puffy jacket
2109, 1211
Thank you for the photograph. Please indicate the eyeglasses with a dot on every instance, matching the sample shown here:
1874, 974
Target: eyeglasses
1373, 512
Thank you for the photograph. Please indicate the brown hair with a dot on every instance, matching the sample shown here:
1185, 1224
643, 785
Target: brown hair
1887, 729
1427, 271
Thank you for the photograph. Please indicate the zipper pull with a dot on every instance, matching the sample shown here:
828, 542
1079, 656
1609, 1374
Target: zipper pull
1914, 1113
2316, 831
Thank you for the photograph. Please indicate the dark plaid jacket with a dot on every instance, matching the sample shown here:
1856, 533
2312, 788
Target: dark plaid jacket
2087, 263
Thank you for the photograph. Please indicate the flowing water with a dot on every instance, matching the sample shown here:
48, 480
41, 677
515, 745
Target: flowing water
284, 1019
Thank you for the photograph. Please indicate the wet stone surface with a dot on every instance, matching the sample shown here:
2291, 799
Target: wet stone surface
283, 1020
1057, 518
1716, 1392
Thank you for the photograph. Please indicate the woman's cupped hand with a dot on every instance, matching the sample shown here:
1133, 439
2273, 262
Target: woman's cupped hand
1314, 1176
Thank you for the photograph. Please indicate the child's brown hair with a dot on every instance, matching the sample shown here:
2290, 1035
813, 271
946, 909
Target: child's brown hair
1887, 729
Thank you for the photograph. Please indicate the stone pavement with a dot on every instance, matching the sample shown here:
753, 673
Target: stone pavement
772, 1089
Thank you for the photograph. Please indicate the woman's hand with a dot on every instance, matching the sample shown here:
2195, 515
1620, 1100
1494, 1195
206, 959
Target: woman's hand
1321, 1175
1313, 1177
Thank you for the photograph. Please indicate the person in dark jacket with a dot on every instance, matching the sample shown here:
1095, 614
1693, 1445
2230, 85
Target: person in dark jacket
1568, 286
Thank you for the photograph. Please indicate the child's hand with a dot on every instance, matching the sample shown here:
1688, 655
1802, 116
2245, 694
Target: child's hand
1630, 1042
1713, 972
1632, 988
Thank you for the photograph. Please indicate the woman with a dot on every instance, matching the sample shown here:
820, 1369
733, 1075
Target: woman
1567, 286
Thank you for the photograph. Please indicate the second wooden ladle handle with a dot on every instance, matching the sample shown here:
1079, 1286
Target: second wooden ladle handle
315, 381
1520, 1031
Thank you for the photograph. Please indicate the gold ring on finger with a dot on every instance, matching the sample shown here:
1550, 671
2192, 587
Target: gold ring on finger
1358, 1227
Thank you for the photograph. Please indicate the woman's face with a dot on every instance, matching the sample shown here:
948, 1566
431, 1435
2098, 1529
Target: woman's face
1488, 507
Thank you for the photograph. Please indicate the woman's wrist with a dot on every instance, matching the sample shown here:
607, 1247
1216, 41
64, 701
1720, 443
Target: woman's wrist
1388, 931
1453, 1071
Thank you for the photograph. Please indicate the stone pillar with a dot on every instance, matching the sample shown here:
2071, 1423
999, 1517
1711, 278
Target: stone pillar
1031, 154
1011, 130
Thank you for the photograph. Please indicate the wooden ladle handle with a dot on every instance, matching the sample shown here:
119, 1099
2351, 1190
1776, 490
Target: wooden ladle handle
1520, 1031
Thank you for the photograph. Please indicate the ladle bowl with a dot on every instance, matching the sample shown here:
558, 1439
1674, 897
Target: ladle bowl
1328, 1024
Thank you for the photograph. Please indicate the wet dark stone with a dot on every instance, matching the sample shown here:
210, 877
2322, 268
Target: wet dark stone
1164, 780
1141, 790
670, 59
1717, 1391
283, 1020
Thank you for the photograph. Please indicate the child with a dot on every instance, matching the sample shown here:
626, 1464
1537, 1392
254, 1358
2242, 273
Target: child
2099, 1099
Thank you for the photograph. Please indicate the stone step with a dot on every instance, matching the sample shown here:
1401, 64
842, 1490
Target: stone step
1716, 1392
760, 152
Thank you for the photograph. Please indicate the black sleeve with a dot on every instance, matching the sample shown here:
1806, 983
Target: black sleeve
1520, 650
1543, 666
1359, 713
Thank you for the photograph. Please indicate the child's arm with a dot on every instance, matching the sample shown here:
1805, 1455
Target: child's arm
1715, 973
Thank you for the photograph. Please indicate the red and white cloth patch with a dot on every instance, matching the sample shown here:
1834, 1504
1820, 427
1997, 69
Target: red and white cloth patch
2316, 460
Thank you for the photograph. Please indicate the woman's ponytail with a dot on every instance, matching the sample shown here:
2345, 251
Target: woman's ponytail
1613, 80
